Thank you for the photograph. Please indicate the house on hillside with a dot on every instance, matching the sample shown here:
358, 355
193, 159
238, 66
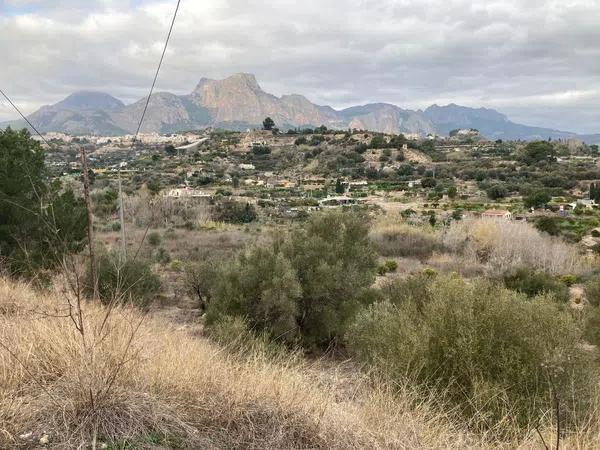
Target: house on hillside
185, 193
497, 214
583, 203
338, 201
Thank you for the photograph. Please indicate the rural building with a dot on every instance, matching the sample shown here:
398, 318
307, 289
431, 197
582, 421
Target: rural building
497, 214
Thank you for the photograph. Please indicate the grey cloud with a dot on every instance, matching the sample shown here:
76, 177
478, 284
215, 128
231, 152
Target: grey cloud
518, 57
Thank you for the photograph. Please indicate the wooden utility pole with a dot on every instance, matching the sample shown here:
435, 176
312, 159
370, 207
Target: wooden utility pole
122, 219
90, 223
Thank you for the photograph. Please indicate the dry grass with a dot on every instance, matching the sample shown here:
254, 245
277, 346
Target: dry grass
502, 245
177, 386
394, 238
186, 392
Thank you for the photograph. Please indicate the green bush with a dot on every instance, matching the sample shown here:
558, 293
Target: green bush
531, 283
387, 267
261, 150
491, 352
261, 286
231, 211
307, 284
154, 239
592, 325
592, 290
124, 280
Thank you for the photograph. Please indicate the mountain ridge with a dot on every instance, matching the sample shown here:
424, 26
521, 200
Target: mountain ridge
238, 102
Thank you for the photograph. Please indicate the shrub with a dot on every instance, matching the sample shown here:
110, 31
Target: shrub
592, 290
162, 256
231, 211
537, 199
128, 280
261, 286
531, 283
199, 281
491, 352
398, 239
388, 266
568, 280
301, 141
308, 283
497, 191
154, 239
261, 150
592, 325
548, 225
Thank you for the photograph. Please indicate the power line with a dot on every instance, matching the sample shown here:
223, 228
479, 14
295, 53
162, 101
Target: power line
24, 118
157, 71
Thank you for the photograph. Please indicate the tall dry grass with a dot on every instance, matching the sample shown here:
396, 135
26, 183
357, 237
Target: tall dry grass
502, 245
174, 385
400, 239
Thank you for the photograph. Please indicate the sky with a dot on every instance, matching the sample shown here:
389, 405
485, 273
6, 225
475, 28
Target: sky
538, 61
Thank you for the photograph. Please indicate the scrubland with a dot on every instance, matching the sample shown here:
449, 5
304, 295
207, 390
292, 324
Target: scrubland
138, 380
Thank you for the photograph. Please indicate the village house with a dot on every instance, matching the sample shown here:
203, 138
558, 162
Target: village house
497, 214
186, 193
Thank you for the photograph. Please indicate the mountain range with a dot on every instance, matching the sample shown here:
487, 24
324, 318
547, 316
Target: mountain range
238, 103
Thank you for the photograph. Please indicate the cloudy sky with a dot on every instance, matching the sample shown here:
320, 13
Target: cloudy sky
536, 60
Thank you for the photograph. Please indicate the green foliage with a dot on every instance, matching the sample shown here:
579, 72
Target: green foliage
231, 211
307, 284
105, 202
153, 184
261, 286
154, 239
548, 225
429, 182
490, 351
261, 150
387, 267
531, 283
301, 141
452, 192
124, 280
592, 290
591, 330
497, 191
268, 124
537, 199
536, 152
200, 280
39, 222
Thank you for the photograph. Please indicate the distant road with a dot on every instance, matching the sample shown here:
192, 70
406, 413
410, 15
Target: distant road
193, 145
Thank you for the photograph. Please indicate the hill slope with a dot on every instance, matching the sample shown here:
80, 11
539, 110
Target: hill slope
163, 383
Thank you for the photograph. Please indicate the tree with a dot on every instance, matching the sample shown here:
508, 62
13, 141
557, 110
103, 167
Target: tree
39, 222
428, 182
200, 278
339, 187
537, 199
170, 150
231, 211
497, 191
536, 152
268, 124
452, 192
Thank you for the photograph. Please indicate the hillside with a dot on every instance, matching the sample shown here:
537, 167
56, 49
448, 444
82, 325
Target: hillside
238, 102
173, 388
